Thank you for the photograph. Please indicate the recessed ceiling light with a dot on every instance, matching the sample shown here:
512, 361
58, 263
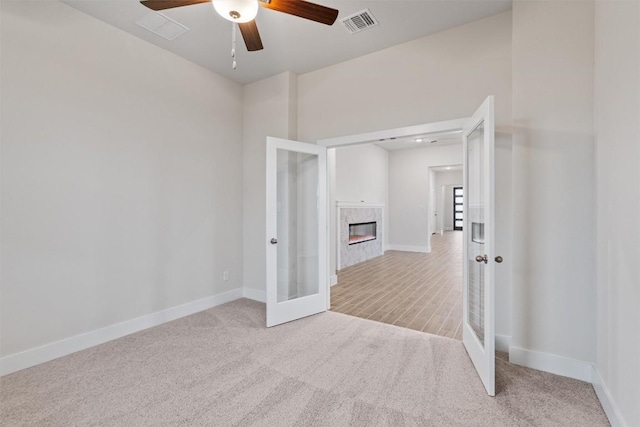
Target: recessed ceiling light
418, 139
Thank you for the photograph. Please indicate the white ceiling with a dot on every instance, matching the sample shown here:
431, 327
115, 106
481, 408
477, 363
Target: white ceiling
292, 43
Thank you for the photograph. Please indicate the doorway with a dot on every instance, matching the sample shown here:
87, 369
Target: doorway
411, 285
478, 268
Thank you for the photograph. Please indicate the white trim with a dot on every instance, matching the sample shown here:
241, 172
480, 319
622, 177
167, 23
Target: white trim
407, 248
35, 356
254, 294
606, 400
552, 363
503, 342
423, 129
334, 280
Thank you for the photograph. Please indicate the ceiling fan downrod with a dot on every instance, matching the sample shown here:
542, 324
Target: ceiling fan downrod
234, 64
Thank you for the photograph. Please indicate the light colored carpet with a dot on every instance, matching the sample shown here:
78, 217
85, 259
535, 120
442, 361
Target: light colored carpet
222, 367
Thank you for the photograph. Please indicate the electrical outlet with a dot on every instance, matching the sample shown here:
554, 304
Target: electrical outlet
225, 276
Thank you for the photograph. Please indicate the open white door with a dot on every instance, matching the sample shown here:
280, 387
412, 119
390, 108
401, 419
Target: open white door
296, 230
478, 332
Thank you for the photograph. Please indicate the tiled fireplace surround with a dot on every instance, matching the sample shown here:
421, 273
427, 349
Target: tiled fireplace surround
353, 213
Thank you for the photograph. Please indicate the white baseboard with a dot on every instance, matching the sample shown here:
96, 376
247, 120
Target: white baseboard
35, 356
503, 342
606, 400
405, 248
254, 294
552, 363
333, 280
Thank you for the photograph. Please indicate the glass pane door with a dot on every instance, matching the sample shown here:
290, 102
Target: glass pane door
297, 231
475, 239
296, 253
478, 334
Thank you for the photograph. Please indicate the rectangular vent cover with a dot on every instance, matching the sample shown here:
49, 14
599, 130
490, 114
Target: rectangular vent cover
359, 21
159, 24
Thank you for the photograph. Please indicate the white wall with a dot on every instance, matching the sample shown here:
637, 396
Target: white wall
270, 109
361, 174
121, 169
409, 188
444, 182
553, 179
455, 70
617, 129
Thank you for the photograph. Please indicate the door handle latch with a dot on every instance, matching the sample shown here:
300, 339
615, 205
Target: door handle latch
274, 240
482, 258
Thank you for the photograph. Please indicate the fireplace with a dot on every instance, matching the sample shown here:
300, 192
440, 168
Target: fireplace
362, 232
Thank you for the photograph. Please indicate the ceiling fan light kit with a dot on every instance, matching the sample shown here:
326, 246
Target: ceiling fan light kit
239, 11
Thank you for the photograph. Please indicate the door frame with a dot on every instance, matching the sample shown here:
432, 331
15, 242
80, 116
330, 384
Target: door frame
455, 125
440, 204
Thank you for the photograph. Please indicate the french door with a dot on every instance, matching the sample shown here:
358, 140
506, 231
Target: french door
296, 240
478, 333
296, 237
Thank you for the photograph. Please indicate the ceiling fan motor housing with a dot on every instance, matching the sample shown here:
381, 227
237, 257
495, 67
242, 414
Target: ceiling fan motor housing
239, 11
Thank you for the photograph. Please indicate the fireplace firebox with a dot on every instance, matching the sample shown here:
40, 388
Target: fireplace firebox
362, 232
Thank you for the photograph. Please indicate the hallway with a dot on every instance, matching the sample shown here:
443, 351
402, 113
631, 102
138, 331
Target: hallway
413, 290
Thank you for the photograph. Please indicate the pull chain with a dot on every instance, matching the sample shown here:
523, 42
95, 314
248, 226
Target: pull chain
234, 64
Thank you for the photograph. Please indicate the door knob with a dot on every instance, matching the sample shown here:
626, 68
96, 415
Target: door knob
482, 258
499, 259
274, 240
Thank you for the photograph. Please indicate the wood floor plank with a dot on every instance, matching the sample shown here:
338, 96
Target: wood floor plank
408, 289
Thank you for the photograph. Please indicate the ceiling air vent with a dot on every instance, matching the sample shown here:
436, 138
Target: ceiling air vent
359, 21
159, 24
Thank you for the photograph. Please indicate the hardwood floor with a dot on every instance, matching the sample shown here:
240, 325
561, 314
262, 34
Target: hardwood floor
408, 289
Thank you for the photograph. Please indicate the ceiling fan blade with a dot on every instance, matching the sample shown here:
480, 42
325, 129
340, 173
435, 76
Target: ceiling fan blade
170, 4
303, 9
251, 36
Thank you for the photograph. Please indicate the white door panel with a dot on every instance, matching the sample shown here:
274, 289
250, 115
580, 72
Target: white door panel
296, 230
479, 247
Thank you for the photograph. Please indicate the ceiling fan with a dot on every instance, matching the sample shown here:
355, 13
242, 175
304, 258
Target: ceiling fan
243, 12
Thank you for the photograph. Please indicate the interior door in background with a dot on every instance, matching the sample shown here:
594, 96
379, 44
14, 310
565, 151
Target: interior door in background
434, 212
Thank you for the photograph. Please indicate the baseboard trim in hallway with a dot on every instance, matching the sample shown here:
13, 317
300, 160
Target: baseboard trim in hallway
405, 248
